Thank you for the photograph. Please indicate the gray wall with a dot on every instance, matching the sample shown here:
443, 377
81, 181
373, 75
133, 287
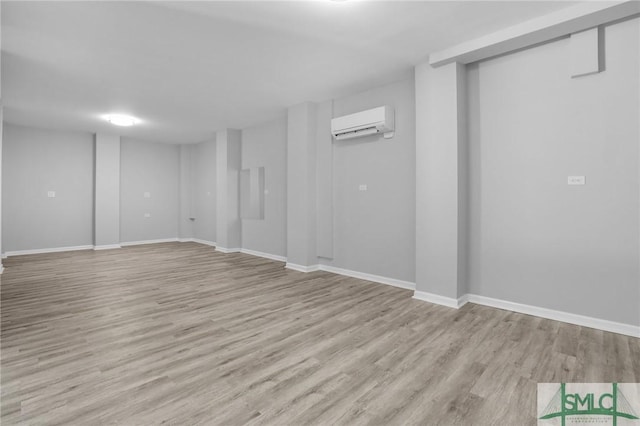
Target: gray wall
204, 190
107, 190
154, 168
266, 146
535, 240
374, 230
36, 161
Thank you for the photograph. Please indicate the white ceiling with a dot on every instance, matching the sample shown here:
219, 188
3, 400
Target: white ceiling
187, 69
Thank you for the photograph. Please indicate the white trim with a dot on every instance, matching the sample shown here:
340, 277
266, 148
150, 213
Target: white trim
449, 302
369, 277
354, 274
227, 250
1, 269
4, 256
302, 268
265, 255
137, 243
47, 250
599, 324
205, 242
107, 247
463, 300
197, 240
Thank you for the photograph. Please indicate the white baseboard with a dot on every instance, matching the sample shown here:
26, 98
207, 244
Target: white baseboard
228, 250
581, 320
4, 256
138, 243
265, 255
302, 268
354, 274
107, 247
369, 277
197, 240
599, 324
584, 321
205, 242
439, 300
47, 250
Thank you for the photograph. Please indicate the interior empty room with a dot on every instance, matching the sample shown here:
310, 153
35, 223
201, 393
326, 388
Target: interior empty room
320, 212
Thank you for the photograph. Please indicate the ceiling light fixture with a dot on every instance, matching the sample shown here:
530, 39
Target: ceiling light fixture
121, 119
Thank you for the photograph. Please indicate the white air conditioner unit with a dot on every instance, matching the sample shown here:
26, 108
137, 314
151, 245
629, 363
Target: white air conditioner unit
371, 121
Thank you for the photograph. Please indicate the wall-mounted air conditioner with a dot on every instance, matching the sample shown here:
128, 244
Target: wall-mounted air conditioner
371, 121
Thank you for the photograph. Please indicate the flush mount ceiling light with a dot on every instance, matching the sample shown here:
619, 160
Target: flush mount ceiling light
121, 119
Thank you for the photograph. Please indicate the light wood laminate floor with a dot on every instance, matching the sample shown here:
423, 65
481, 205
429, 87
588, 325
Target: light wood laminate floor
179, 334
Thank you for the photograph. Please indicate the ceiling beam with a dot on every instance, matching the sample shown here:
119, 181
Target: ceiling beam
548, 27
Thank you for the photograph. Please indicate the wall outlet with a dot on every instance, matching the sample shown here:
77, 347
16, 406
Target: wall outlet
362, 187
576, 180
147, 195
51, 194
147, 215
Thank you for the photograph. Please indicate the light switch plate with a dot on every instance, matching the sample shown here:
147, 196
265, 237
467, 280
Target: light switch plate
147, 195
51, 194
576, 180
147, 215
362, 187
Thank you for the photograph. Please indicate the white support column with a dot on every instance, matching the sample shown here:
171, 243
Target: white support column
1, 131
228, 163
185, 226
441, 181
107, 192
301, 188
324, 167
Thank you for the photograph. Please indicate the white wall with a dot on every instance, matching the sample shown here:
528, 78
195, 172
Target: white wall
154, 168
36, 161
535, 240
204, 190
374, 230
266, 146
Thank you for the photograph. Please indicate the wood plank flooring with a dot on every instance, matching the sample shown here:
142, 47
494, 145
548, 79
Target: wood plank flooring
179, 334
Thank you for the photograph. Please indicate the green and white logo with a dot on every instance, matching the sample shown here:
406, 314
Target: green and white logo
575, 404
